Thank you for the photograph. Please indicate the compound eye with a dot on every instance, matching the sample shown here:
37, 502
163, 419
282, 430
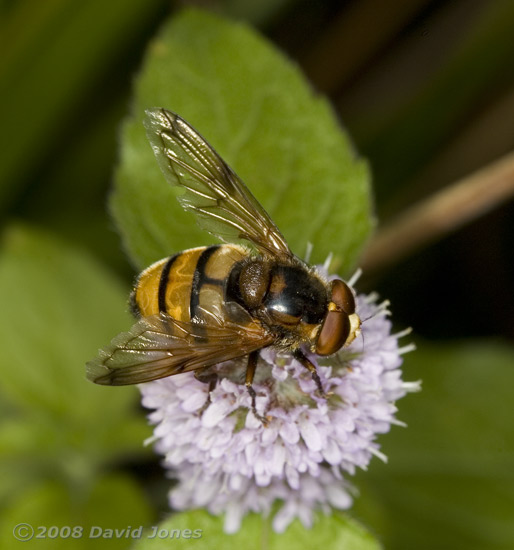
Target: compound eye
334, 333
342, 296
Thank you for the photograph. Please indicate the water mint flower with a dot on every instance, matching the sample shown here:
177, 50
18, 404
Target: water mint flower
226, 460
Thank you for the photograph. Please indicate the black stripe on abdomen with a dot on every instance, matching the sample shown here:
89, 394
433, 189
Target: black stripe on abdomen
163, 283
200, 278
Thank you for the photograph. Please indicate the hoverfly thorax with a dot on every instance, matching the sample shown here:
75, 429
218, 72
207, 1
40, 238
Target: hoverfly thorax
341, 324
295, 296
280, 293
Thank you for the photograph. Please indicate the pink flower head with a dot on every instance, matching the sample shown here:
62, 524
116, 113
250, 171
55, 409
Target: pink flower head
227, 461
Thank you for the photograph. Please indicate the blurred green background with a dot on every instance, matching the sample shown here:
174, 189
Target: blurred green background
426, 91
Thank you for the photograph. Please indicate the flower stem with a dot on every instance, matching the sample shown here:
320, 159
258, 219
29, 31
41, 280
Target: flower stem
441, 213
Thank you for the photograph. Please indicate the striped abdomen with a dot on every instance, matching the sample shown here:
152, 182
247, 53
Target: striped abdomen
180, 284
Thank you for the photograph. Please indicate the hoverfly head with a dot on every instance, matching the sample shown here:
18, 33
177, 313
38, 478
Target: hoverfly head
341, 324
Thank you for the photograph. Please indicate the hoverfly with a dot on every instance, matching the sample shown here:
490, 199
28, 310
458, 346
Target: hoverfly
211, 304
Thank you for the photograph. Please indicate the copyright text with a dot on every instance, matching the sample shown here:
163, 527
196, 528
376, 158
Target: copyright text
25, 531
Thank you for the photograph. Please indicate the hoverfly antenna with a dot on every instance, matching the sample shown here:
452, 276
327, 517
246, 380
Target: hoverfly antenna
381, 310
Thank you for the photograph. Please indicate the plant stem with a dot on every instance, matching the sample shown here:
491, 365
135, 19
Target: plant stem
440, 214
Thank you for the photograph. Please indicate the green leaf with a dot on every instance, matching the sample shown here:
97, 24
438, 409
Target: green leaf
113, 502
449, 482
59, 306
54, 52
256, 109
204, 532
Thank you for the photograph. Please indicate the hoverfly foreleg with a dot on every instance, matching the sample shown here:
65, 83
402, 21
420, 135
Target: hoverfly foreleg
304, 360
250, 372
210, 378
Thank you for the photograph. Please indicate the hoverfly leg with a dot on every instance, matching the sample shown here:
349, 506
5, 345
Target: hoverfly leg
250, 372
210, 378
304, 360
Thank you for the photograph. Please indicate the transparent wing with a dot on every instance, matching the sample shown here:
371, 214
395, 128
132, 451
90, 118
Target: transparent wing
159, 346
221, 201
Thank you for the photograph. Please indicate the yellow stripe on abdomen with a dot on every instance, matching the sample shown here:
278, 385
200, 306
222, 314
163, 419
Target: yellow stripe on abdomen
190, 279
166, 285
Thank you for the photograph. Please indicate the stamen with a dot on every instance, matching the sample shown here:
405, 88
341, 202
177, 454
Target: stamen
308, 252
406, 349
397, 422
355, 277
384, 305
412, 386
402, 333
328, 261
378, 454
150, 440
371, 297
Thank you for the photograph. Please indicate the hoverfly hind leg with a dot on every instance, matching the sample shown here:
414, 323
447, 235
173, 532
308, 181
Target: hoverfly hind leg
210, 378
250, 372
